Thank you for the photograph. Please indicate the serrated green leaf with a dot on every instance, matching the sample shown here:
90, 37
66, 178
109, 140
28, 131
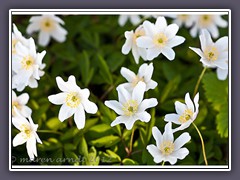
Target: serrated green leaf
222, 121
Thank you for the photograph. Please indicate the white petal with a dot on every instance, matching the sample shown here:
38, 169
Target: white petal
128, 43
194, 31
175, 41
32, 28
14, 96
123, 94
58, 99
138, 92
152, 53
19, 139
222, 43
205, 39
157, 136
144, 42
171, 30
135, 54
155, 152
171, 159
181, 153
180, 107
214, 31
127, 74
130, 122
161, 23
174, 118
31, 147
119, 120
222, 73
85, 93
63, 86
169, 53
135, 19
148, 72
198, 51
220, 21
65, 112
149, 28
147, 103
142, 71
122, 20
32, 83
19, 119
43, 38
168, 132
144, 116
23, 98
90, 107
59, 34
181, 140
26, 111
79, 117
151, 85
189, 102
183, 126
221, 63
115, 105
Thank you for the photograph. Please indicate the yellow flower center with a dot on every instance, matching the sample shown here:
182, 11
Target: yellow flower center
211, 53
47, 25
136, 80
160, 40
138, 34
26, 129
17, 105
205, 20
130, 107
14, 42
187, 115
167, 147
73, 99
183, 17
27, 62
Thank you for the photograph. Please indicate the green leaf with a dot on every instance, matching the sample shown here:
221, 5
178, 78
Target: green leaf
106, 141
86, 71
222, 121
104, 70
128, 161
54, 123
109, 157
49, 145
69, 147
72, 158
92, 158
69, 134
83, 147
150, 126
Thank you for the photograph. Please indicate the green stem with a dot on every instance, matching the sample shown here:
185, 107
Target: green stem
199, 80
163, 163
49, 131
203, 147
131, 141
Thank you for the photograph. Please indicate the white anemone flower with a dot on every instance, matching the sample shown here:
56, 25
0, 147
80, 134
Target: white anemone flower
186, 113
48, 26
209, 22
74, 101
27, 135
19, 102
166, 149
184, 20
212, 54
17, 37
134, 19
131, 106
145, 72
27, 66
130, 44
160, 38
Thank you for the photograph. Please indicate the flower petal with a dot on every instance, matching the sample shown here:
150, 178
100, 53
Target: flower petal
161, 24
63, 86
144, 116
138, 92
171, 159
168, 132
222, 73
23, 98
65, 112
115, 105
59, 34
148, 72
127, 74
181, 153
26, 111
175, 41
171, 30
151, 85
189, 102
144, 42
90, 107
169, 53
155, 152
149, 29
198, 51
123, 94
222, 44
119, 120
19, 139
79, 117
157, 136
153, 53
43, 38
181, 140
58, 99
31, 147
180, 107
174, 118
147, 103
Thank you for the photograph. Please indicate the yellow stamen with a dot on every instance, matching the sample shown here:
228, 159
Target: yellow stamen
47, 25
167, 147
187, 115
160, 39
211, 53
130, 107
27, 62
73, 99
205, 20
136, 80
14, 42
26, 129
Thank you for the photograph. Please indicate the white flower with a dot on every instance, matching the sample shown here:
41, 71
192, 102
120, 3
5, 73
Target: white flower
27, 66
131, 106
134, 19
130, 44
222, 73
186, 113
49, 26
144, 74
167, 149
212, 54
19, 102
160, 38
184, 20
17, 37
209, 22
28, 133
74, 101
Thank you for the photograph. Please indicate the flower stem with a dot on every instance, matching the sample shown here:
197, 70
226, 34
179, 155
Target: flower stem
163, 163
203, 147
107, 92
199, 80
131, 141
49, 131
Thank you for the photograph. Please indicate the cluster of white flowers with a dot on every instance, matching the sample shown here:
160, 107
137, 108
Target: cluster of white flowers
27, 68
